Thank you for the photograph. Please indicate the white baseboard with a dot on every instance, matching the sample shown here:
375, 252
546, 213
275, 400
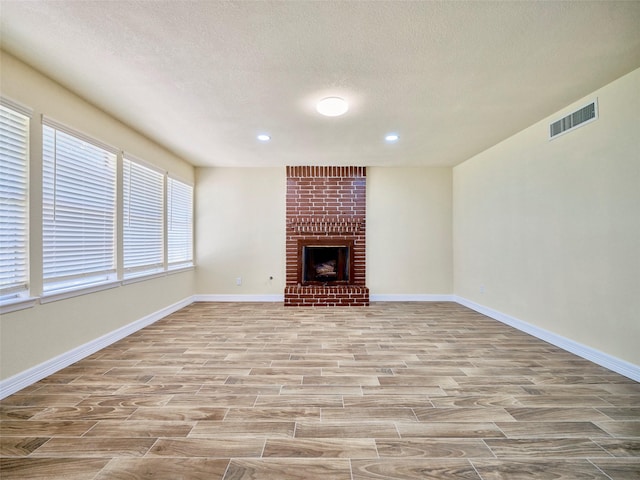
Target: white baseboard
421, 297
21, 380
617, 365
238, 298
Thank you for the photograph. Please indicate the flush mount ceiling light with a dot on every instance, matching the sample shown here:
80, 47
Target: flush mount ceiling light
263, 137
332, 106
391, 137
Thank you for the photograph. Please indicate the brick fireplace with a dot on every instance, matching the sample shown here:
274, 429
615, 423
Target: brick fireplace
326, 215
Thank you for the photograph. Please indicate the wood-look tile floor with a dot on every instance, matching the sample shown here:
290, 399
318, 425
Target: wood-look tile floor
260, 391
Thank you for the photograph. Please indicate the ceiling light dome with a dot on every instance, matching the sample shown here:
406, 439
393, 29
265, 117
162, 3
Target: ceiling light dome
332, 106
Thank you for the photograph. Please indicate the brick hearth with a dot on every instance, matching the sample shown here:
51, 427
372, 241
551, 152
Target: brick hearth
326, 203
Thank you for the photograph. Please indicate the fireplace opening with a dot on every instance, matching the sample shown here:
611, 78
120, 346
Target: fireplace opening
325, 264
322, 264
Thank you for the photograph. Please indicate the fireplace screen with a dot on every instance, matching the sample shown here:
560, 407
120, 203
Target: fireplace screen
322, 264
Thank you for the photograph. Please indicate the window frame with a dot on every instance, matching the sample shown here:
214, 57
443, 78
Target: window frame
82, 280
137, 271
184, 263
18, 295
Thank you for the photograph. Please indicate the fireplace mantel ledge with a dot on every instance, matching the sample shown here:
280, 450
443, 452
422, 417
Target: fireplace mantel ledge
336, 225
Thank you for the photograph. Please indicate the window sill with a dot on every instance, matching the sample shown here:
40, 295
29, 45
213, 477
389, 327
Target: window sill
151, 276
142, 278
62, 295
17, 304
181, 269
28, 302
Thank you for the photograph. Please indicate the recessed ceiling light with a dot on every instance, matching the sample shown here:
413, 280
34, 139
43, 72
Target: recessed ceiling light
263, 137
332, 106
392, 137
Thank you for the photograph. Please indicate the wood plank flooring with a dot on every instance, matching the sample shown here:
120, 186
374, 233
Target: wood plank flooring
258, 391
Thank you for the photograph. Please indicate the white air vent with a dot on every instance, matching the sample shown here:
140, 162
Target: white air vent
580, 117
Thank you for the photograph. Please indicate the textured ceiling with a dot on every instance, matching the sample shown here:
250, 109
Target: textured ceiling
203, 78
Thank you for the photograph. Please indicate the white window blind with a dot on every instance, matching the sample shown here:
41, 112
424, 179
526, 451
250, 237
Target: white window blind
179, 224
79, 209
14, 157
143, 213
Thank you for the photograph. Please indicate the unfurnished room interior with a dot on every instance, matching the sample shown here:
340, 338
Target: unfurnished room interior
337, 240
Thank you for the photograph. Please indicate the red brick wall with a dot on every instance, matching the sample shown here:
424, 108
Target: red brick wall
326, 203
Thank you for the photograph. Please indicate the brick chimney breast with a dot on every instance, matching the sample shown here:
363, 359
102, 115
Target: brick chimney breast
326, 206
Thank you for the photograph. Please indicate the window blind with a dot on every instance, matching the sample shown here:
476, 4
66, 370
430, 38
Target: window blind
143, 212
180, 224
79, 210
14, 157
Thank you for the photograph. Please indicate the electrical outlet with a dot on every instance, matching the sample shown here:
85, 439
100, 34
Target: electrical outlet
481, 289
239, 281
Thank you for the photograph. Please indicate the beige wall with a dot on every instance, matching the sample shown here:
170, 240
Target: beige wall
240, 213
409, 230
550, 230
240, 218
32, 336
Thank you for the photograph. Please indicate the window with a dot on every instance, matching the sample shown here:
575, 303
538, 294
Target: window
14, 158
86, 244
179, 224
143, 213
79, 210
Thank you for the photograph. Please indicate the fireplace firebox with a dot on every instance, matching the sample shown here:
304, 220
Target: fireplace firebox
325, 262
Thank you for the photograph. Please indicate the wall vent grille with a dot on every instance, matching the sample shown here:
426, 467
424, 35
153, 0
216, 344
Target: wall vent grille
580, 117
